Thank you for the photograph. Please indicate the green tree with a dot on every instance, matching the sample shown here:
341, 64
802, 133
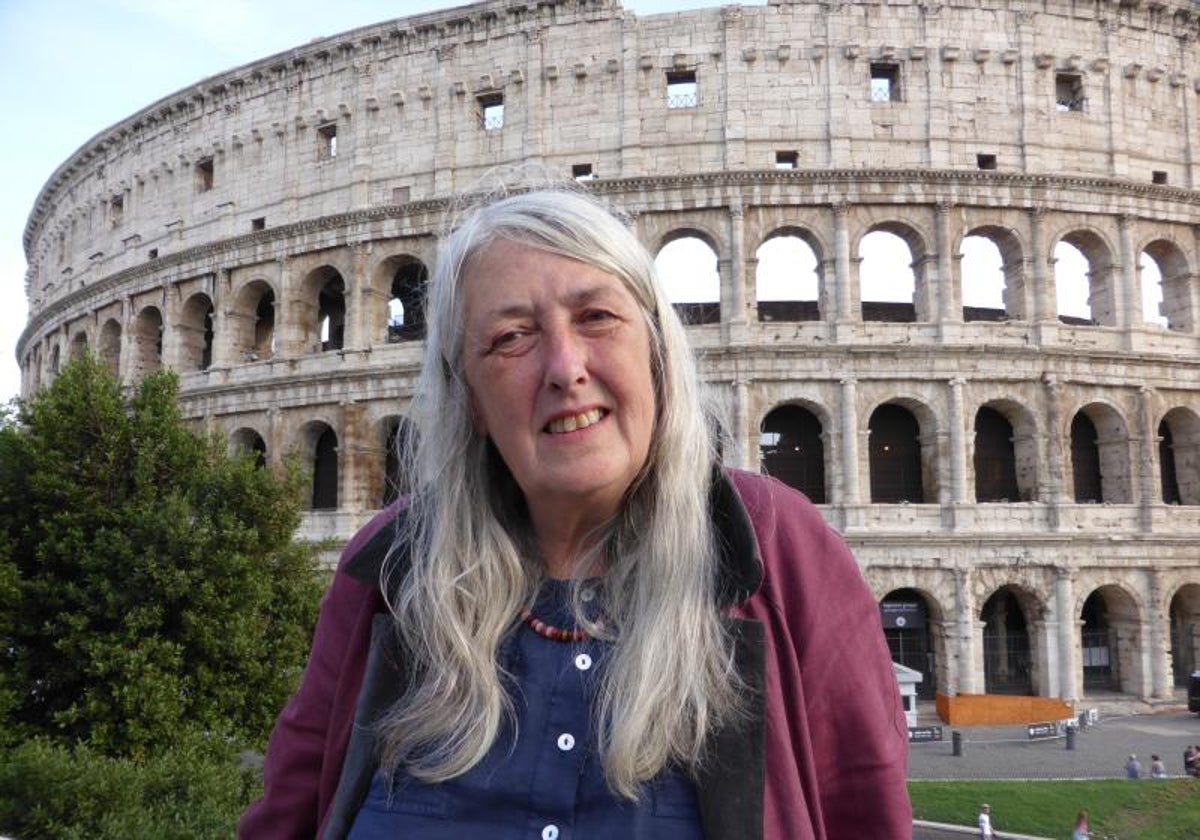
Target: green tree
149, 581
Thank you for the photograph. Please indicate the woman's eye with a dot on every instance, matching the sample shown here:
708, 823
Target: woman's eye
596, 316
506, 340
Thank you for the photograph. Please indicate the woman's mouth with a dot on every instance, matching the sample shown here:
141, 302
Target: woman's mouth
575, 422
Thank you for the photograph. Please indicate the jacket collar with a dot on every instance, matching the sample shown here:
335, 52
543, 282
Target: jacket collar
739, 573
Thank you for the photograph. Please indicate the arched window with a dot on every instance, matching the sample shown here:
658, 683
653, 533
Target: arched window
895, 453
687, 267
786, 281
1166, 462
396, 482
887, 283
406, 303
995, 458
1071, 285
1185, 632
79, 345
906, 621
1099, 663
331, 313
248, 442
110, 346
1085, 460
325, 469
1007, 664
1153, 301
791, 450
196, 333
983, 282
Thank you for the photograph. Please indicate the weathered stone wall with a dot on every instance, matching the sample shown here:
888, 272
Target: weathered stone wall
233, 188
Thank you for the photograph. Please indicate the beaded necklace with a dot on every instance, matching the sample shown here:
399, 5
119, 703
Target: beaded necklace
549, 631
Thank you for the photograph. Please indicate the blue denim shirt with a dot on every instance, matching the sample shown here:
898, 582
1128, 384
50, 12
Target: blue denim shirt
547, 782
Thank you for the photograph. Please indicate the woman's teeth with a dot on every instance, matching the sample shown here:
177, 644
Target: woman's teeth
572, 423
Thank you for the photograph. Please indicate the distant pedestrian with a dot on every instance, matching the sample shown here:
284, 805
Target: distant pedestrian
1133, 767
1158, 770
985, 822
1081, 826
1191, 761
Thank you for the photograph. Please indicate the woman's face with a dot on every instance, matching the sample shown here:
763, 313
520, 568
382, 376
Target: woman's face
557, 358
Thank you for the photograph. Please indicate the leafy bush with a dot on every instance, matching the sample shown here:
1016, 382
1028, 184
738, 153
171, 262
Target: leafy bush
148, 579
194, 790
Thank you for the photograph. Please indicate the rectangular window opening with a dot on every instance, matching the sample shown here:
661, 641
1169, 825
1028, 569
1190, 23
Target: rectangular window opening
1068, 92
327, 137
400, 195
681, 89
1158, 176
885, 82
491, 111
204, 175
117, 209
583, 172
258, 224
985, 161
787, 160
152, 254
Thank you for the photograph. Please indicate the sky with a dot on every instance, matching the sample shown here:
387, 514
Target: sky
71, 68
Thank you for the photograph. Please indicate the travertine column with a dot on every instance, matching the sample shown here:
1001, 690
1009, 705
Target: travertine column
1053, 480
1158, 620
964, 681
944, 289
1045, 305
841, 256
1063, 600
1129, 297
850, 466
358, 299
958, 444
737, 264
740, 433
1149, 489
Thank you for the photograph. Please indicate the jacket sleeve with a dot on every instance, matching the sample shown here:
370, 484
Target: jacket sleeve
303, 755
840, 706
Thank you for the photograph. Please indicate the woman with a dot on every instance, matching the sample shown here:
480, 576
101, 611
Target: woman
580, 626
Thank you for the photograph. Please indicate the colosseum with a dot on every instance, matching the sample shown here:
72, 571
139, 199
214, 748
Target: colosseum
1018, 476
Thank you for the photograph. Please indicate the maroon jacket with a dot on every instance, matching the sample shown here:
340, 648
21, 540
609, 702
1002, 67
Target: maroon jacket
822, 754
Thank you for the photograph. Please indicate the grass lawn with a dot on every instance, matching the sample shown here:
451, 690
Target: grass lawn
1118, 808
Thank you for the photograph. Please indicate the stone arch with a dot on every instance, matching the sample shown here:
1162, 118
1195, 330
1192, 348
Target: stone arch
52, 363
247, 441
1011, 616
399, 285
1185, 632
1100, 464
79, 345
887, 293
1021, 448
321, 310
195, 329
147, 341
688, 265
1110, 641
110, 346
319, 452
253, 322
792, 448
1101, 281
787, 279
1006, 293
1179, 457
902, 452
1176, 284
394, 432
912, 619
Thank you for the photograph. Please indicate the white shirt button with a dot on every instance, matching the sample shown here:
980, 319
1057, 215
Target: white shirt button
583, 662
550, 832
566, 742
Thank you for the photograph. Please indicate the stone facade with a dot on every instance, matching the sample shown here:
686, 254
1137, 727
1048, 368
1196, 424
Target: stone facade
263, 231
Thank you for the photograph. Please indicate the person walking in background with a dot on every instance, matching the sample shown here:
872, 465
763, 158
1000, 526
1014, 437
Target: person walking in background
1133, 767
1191, 761
1080, 831
985, 822
1158, 770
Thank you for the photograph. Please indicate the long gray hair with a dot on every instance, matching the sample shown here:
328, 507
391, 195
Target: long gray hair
669, 679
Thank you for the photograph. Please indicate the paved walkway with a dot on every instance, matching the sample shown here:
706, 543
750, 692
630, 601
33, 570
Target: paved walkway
1006, 752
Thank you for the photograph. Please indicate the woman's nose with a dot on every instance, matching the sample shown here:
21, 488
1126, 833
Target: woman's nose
566, 359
